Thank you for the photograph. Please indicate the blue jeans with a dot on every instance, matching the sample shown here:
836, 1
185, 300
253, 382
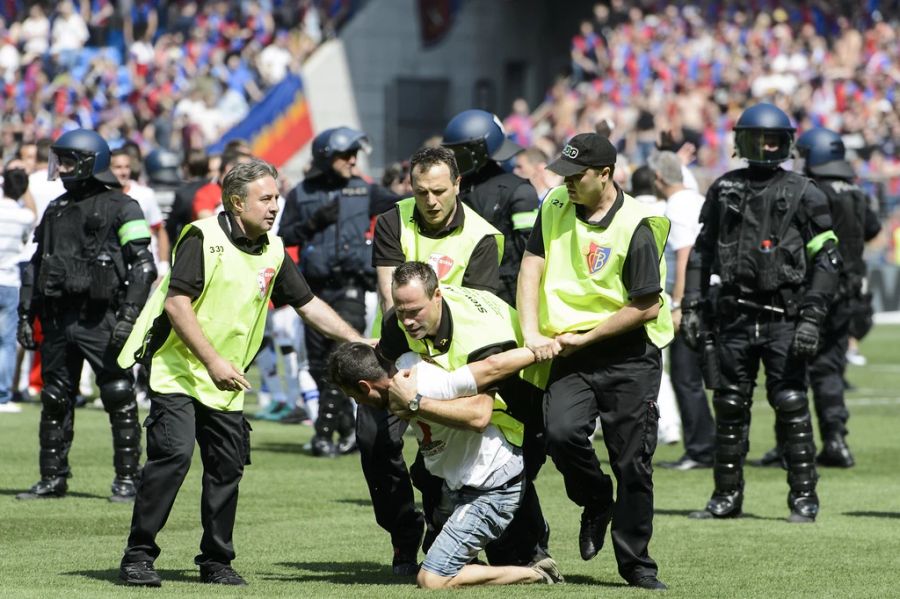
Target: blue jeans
474, 519
9, 302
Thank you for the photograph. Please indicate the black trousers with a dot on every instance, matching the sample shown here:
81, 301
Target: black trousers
826, 377
620, 386
335, 408
174, 424
72, 336
696, 417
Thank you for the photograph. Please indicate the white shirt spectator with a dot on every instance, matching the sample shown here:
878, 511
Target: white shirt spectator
9, 61
683, 210
150, 207
43, 190
16, 224
462, 458
69, 33
273, 63
35, 32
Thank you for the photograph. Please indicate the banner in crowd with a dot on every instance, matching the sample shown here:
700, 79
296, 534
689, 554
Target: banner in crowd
277, 127
436, 19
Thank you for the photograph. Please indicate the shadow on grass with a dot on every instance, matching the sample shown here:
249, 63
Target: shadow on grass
589, 580
349, 573
357, 502
687, 513
873, 514
14, 492
279, 447
112, 575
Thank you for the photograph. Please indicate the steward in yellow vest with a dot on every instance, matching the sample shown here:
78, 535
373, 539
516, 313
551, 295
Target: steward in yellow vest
434, 227
452, 326
590, 298
198, 334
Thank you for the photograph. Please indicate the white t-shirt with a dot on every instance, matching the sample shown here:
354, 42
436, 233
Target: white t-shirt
150, 207
683, 209
462, 458
16, 224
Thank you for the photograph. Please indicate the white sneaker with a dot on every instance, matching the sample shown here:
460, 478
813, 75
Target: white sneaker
10, 408
856, 358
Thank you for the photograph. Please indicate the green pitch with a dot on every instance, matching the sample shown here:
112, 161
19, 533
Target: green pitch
305, 526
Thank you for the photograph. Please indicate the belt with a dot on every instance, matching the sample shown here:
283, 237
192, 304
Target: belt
510, 483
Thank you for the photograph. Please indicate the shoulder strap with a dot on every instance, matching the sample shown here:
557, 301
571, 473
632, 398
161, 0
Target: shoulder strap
791, 186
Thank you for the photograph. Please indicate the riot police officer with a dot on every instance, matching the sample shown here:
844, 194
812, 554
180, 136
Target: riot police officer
87, 282
162, 171
328, 215
766, 233
821, 154
505, 200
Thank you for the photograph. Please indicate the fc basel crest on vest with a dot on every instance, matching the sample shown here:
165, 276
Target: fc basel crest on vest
264, 280
441, 265
597, 257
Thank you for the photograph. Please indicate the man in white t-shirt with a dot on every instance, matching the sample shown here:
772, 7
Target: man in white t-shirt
120, 165
683, 211
482, 470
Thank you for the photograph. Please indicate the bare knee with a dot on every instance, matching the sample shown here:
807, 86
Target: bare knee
430, 580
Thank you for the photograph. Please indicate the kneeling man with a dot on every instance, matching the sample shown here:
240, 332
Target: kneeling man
470, 442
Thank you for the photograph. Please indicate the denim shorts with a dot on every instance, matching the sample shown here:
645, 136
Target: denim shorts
475, 519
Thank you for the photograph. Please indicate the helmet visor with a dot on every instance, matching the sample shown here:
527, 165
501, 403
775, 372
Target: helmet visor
766, 147
68, 165
470, 156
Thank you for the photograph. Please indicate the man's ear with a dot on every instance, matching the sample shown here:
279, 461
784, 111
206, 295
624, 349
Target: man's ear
237, 204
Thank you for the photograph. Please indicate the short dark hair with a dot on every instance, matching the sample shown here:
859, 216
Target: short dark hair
643, 181
15, 183
197, 163
429, 157
410, 271
43, 149
353, 362
394, 173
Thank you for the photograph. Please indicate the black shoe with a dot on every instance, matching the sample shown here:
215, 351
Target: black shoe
593, 531
49, 487
649, 582
223, 575
721, 505
686, 462
139, 574
124, 489
321, 447
296, 416
404, 563
771, 459
804, 507
347, 445
835, 452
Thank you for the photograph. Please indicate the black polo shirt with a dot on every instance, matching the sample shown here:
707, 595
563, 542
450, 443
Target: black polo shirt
393, 343
288, 289
640, 272
482, 271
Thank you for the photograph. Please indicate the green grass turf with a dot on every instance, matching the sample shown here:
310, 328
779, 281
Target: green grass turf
305, 526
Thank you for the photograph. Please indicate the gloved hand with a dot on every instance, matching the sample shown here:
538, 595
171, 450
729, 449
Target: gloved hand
125, 318
807, 334
326, 215
691, 326
25, 333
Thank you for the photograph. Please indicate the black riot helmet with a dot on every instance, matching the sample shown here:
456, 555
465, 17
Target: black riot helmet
79, 156
476, 137
162, 167
820, 152
763, 135
331, 142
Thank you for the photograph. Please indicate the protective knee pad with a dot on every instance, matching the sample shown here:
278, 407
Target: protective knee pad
787, 402
117, 395
54, 401
732, 416
55, 441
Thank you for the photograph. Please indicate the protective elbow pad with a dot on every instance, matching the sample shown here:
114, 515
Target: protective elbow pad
140, 277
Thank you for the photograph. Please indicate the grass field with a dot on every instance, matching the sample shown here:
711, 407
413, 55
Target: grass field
305, 526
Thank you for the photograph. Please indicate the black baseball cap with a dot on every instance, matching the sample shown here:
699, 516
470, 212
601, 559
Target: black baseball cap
584, 151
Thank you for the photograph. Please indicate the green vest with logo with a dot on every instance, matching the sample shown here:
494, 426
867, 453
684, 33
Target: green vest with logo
582, 283
480, 318
231, 312
448, 256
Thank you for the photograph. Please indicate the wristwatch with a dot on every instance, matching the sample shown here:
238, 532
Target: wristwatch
414, 403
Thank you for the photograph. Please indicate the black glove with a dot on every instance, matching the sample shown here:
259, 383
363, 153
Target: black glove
25, 333
325, 216
125, 318
807, 333
691, 327
692, 320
